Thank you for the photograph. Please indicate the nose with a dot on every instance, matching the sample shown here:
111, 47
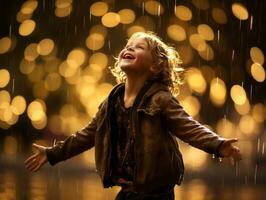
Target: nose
129, 48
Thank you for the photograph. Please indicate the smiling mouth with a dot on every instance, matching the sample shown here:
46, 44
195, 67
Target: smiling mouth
128, 56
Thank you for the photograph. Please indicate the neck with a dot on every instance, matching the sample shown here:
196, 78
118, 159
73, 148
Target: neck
133, 85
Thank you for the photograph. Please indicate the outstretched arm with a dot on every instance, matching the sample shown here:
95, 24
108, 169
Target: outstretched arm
228, 150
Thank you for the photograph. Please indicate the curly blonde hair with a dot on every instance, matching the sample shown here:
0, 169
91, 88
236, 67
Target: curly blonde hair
166, 57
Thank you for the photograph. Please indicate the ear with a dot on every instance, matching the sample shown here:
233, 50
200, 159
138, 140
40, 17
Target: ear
155, 69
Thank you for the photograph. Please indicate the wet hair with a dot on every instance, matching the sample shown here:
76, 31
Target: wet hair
166, 58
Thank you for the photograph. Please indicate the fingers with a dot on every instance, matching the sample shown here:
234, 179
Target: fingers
39, 147
230, 141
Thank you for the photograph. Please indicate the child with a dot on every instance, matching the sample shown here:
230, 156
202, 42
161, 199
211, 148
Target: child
134, 129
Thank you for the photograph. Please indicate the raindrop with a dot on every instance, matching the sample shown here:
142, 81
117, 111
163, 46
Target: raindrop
13, 85
263, 147
220, 159
143, 7
10, 30
218, 36
233, 54
250, 92
159, 10
213, 155
90, 15
109, 45
236, 168
255, 174
84, 22
251, 23
258, 145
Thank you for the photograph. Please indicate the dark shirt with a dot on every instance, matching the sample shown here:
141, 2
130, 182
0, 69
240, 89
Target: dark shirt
124, 167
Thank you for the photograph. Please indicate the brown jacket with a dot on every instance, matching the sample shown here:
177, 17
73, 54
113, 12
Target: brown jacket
156, 120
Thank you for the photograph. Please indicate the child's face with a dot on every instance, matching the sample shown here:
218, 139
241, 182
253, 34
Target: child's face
136, 57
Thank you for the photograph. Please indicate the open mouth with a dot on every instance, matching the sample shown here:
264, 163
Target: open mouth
128, 56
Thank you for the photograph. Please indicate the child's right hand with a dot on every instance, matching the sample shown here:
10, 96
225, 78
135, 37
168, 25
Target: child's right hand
37, 160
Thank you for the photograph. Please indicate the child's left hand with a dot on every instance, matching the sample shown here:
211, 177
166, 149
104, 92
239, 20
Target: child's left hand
228, 150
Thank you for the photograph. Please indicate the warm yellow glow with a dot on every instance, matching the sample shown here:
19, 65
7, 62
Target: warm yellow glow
66, 70
225, 128
30, 52
247, 124
186, 53
219, 15
258, 72
99, 29
45, 46
95, 41
183, 13
240, 11
195, 158
26, 67
197, 42
22, 17
99, 8
259, 112
40, 124
75, 78
63, 3
127, 16
91, 75
196, 81
5, 45
4, 99
134, 29
5, 77
207, 72
205, 32
191, 105
18, 105
76, 57
176, 32
39, 90
238, 94
54, 124
52, 81
64, 11
199, 187
217, 92
37, 74
243, 109
110, 19
36, 111
27, 27
154, 7
29, 6
206, 52
257, 55
10, 146
99, 59
201, 4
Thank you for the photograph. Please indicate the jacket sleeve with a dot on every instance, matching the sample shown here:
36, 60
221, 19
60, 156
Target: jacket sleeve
76, 143
189, 130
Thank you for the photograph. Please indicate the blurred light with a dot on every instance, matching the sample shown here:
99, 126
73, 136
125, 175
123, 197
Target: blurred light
5, 77
258, 72
26, 67
5, 45
28, 7
225, 128
39, 90
54, 124
186, 53
27, 27
40, 124
240, 11
36, 111
201, 4
197, 42
195, 159
99, 29
4, 99
110, 19
10, 146
45, 46
52, 81
217, 92
99, 59
257, 55
206, 52
127, 16
63, 3
191, 105
183, 13
154, 7
66, 70
205, 32
197, 186
196, 81
30, 52
95, 41
133, 29
52, 65
247, 124
259, 112
37, 74
18, 105
176, 32
64, 11
22, 17
238, 94
91, 75
99, 8
75, 78
76, 57
243, 109
219, 15
208, 73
